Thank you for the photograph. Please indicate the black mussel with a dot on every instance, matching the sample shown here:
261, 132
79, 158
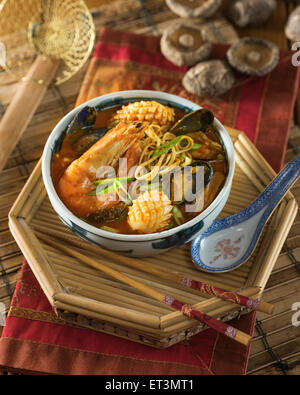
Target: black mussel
82, 143
208, 171
83, 120
110, 214
194, 121
185, 184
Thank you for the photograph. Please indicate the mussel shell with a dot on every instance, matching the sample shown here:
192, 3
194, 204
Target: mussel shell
109, 214
84, 120
189, 184
194, 121
208, 171
82, 143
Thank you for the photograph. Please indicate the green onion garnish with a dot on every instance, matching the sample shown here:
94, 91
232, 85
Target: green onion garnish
166, 147
114, 186
111, 180
177, 215
196, 146
118, 185
110, 184
103, 190
171, 225
123, 215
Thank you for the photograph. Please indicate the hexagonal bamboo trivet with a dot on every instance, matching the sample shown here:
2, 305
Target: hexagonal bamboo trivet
87, 297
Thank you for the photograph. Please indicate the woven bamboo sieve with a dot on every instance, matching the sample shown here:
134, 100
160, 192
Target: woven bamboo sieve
84, 296
61, 35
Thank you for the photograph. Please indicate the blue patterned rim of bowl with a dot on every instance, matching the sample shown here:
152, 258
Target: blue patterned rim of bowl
115, 99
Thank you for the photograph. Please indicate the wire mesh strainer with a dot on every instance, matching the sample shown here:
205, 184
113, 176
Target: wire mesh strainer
53, 38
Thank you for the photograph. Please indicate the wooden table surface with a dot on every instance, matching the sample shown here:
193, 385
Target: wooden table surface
276, 344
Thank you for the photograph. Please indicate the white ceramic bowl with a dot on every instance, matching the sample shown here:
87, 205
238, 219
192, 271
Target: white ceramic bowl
136, 245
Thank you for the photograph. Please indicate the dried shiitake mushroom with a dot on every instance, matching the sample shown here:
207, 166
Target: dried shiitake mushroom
253, 56
194, 8
184, 45
292, 28
250, 12
209, 79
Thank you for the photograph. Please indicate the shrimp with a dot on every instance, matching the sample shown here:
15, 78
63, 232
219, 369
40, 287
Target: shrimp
131, 158
77, 181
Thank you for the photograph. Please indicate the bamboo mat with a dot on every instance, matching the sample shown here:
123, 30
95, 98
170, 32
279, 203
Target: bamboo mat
276, 345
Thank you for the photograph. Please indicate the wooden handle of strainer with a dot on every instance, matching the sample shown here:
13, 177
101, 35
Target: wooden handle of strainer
23, 105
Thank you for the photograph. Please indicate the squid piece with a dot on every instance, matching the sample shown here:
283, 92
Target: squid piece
77, 182
146, 111
151, 212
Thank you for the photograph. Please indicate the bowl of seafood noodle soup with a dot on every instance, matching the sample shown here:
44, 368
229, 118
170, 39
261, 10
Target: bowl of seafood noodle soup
98, 163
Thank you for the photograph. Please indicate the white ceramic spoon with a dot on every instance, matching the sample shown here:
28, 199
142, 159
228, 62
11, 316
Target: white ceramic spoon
229, 242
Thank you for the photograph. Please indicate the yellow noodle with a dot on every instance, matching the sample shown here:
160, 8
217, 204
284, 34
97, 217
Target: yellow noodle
155, 137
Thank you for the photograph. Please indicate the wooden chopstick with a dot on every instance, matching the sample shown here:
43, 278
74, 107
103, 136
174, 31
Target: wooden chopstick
186, 309
200, 286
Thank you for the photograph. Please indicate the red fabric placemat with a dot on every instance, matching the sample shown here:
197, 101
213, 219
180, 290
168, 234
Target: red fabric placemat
260, 107
34, 340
